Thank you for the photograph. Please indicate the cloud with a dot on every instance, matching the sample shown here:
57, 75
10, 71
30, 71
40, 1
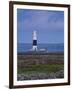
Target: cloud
44, 20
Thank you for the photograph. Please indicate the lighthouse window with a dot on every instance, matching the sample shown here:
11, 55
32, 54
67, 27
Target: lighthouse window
34, 42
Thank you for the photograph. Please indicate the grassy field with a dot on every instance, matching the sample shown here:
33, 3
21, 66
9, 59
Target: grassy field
41, 68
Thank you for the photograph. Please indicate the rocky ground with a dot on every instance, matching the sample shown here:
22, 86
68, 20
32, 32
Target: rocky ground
37, 76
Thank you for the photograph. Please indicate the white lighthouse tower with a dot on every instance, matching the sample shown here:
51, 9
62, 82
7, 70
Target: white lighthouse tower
34, 41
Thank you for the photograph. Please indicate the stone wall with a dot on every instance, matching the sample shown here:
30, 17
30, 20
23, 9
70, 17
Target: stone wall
24, 60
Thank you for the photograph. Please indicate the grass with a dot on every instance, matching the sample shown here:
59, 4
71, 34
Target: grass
40, 68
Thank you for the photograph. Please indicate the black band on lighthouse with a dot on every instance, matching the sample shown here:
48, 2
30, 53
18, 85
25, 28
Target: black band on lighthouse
34, 42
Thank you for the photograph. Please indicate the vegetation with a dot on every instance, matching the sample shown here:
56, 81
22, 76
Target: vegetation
43, 68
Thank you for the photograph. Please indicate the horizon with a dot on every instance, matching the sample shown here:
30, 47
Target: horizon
41, 43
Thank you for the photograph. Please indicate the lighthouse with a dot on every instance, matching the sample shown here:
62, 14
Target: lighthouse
34, 41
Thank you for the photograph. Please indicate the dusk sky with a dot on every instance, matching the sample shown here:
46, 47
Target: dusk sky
48, 24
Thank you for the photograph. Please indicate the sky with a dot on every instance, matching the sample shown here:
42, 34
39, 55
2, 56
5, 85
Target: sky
48, 24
